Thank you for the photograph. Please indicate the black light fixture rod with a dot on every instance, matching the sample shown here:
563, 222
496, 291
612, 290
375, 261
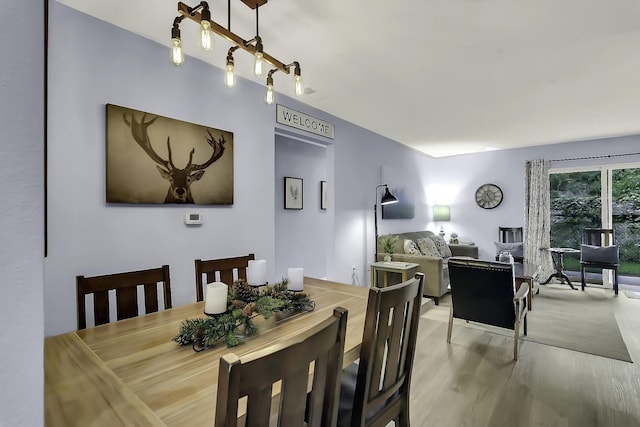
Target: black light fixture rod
229, 15
177, 21
248, 42
175, 31
202, 5
257, 31
375, 222
296, 65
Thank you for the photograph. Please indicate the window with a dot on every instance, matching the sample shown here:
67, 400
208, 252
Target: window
607, 197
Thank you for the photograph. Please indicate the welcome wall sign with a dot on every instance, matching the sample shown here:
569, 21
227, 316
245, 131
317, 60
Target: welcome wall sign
287, 116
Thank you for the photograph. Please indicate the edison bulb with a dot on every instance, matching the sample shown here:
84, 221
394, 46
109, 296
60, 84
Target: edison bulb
206, 35
257, 65
177, 55
229, 76
298, 88
268, 98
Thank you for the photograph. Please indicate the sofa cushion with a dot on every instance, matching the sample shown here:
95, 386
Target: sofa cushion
411, 248
516, 249
599, 254
428, 247
444, 250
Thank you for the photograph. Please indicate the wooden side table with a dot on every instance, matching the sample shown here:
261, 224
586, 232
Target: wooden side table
558, 263
406, 269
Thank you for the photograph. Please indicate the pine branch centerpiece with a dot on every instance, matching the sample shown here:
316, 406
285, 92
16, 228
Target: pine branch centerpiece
244, 302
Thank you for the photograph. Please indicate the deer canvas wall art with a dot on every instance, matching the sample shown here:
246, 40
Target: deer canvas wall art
155, 159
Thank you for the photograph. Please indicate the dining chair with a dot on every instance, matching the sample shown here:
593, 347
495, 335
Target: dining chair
375, 391
510, 234
485, 292
510, 239
225, 266
598, 250
125, 286
317, 352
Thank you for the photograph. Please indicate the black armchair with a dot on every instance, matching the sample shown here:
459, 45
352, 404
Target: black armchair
599, 251
484, 292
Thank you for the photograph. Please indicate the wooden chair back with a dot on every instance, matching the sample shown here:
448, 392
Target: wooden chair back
126, 290
598, 236
225, 267
510, 234
386, 355
254, 375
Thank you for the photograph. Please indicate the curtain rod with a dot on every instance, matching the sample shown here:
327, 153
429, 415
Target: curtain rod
606, 156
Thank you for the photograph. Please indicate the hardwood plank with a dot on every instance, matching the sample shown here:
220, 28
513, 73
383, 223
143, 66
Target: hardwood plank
80, 390
473, 382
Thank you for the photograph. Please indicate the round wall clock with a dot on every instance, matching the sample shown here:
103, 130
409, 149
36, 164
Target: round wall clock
488, 196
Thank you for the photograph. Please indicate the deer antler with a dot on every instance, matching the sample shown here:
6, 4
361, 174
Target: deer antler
141, 136
218, 149
193, 150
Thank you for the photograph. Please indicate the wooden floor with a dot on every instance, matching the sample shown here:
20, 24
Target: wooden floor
474, 381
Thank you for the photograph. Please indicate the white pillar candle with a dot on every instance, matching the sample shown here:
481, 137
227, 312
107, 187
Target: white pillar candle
296, 279
257, 272
215, 301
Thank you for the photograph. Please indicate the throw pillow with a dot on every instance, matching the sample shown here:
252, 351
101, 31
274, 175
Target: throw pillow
442, 246
599, 254
516, 249
411, 248
428, 248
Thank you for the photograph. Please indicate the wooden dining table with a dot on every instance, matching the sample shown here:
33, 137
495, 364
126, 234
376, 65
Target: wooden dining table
131, 373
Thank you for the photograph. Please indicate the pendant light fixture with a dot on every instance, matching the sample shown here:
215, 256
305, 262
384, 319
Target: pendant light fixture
258, 56
201, 14
177, 55
269, 97
298, 87
229, 76
206, 35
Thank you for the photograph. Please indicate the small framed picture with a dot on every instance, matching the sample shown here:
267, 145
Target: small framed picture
323, 195
292, 193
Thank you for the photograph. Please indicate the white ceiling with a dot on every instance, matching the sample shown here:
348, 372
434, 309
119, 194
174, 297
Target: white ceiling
443, 76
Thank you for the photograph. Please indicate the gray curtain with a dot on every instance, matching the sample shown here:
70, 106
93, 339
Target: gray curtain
537, 216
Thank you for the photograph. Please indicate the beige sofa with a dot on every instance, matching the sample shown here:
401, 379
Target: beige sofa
436, 274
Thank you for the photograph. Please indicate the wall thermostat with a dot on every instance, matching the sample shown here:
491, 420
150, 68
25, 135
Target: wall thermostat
193, 218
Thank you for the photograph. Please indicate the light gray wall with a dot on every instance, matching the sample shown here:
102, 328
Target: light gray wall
357, 171
93, 63
21, 213
297, 243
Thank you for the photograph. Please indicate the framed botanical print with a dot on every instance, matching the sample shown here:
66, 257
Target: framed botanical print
323, 195
292, 193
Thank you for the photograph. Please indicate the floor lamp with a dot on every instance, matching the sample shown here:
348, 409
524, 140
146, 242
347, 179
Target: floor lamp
387, 199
